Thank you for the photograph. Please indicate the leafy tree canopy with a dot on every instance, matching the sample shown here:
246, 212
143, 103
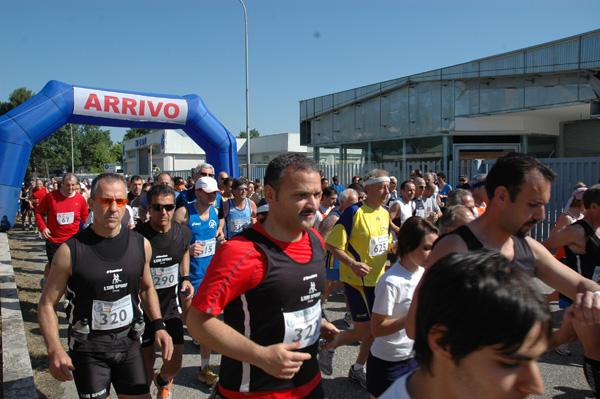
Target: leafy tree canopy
253, 134
136, 132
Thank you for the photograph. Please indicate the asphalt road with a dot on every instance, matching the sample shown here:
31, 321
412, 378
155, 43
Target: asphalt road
562, 375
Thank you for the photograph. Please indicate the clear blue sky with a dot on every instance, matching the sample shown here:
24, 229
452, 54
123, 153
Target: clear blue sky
298, 49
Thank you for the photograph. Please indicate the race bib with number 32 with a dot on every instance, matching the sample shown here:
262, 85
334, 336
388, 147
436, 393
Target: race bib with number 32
303, 325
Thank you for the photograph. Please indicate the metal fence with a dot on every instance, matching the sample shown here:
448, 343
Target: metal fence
569, 172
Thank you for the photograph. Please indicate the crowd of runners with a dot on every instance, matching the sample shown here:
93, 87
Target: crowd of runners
438, 282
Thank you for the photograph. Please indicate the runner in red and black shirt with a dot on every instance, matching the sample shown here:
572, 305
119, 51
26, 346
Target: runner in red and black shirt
269, 281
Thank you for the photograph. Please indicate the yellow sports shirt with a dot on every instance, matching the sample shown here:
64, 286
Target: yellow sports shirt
363, 233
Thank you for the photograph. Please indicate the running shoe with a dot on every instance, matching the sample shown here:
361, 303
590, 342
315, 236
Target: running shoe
163, 392
563, 350
358, 376
30, 227
348, 320
325, 358
207, 376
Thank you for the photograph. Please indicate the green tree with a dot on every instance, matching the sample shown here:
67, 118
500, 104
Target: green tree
95, 146
55, 152
116, 153
136, 132
253, 134
16, 98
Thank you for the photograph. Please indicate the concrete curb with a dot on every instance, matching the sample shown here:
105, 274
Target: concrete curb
17, 371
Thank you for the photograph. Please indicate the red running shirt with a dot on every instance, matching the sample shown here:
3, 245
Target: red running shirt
238, 266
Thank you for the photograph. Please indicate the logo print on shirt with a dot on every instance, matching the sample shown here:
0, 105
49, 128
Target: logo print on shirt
212, 224
116, 279
313, 288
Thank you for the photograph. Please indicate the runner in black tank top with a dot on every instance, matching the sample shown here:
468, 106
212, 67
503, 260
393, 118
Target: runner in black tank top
170, 260
269, 280
523, 256
105, 269
518, 187
582, 248
289, 289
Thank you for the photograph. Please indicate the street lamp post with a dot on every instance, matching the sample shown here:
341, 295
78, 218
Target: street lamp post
72, 155
247, 95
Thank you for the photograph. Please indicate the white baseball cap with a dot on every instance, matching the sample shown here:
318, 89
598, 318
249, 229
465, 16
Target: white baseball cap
207, 184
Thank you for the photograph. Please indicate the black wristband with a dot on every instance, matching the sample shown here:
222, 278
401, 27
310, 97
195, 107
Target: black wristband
158, 324
186, 278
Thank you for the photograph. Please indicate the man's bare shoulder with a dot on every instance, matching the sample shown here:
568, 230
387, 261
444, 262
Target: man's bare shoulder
447, 244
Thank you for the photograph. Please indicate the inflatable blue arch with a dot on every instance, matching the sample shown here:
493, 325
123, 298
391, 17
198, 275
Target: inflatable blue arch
59, 104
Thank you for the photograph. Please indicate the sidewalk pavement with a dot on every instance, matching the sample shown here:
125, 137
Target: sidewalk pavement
563, 375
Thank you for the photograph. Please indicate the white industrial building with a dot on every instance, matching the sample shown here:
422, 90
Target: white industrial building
174, 151
541, 100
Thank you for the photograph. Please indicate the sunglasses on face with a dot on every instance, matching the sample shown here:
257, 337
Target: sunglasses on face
107, 201
242, 188
160, 207
204, 174
421, 186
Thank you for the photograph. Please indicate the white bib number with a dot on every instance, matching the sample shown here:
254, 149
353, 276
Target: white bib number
65, 218
112, 315
208, 249
303, 325
164, 277
378, 246
238, 225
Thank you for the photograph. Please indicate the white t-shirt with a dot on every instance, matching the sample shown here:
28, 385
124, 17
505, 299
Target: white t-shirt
397, 390
430, 206
406, 210
393, 295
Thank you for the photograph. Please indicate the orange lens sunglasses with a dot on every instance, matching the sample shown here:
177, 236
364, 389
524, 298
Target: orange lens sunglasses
107, 201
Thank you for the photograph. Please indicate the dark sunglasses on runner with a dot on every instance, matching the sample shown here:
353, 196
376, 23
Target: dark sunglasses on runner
107, 201
204, 174
160, 207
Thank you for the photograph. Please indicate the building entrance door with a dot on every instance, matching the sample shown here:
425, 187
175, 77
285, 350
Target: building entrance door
468, 158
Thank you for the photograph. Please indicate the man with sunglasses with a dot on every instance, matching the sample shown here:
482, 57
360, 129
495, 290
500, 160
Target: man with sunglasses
170, 259
58, 216
106, 272
202, 219
418, 201
162, 179
239, 212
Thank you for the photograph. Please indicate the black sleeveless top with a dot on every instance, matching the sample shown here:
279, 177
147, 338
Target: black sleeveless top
168, 250
104, 286
271, 313
585, 264
523, 255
